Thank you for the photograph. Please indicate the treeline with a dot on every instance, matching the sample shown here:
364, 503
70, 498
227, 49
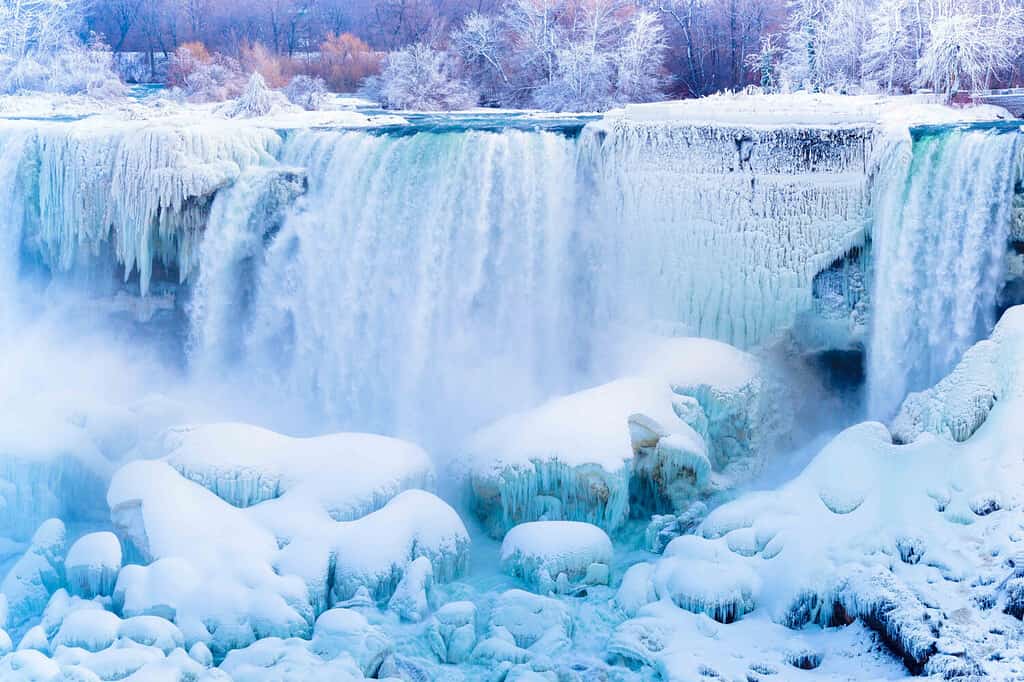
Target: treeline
555, 54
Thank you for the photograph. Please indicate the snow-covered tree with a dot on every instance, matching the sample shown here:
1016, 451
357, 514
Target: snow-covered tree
41, 50
420, 77
764, 63
824, 43
307, 92
582, 80
890, 53
640, 60
481, 44
968, 44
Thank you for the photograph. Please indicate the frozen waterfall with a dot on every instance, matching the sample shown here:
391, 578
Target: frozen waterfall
421, 277
941, 222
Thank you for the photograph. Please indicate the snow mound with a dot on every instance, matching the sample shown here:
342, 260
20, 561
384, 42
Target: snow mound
548, 554
375, 551
351, 474
523, 626
959, 404
36, 575
287, 660
567, 459
344, 631
92, 565
694, 418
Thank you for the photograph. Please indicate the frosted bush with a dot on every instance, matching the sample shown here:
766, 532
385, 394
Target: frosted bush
422, 78
203, 77
257, 100
306, 91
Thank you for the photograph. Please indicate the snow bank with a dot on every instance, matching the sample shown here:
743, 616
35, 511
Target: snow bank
803, 109
350, 474
548, 555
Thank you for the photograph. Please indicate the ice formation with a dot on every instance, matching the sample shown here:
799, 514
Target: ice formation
549, 555
696, 418
350, 474
523, 295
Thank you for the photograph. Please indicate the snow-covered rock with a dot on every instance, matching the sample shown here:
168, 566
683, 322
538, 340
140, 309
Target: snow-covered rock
543, 553
287, 660
351, 474
375, 551
36, 575
695, 418
92, 565
451, 632
344, 631
531, 619
959, 404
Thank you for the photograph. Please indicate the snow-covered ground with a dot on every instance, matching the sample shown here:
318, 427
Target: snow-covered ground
612, 530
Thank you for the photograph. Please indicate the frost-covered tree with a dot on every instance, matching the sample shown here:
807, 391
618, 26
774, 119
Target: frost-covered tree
824, 43
640, 60
890, 53
582, 80
421, 77
968, 44
307, 92
41, 50
764, 63
482, 45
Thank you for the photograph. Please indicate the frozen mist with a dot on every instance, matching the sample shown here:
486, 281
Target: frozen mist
513, 396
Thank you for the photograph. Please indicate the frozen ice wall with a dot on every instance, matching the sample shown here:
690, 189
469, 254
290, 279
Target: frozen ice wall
943, 208
718, 231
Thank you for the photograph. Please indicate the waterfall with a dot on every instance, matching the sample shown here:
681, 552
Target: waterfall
12, 206
423, 277
942, 214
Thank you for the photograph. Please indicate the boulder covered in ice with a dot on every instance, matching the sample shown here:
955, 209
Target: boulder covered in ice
571, 458
345, 631
228, 575
92, 565
730, 397
288, 660
350, 474
451, 632
549, 555
693, 418
36, 575
375, 551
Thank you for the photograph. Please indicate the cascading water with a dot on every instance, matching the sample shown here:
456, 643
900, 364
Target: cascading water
941, 222
422, 277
